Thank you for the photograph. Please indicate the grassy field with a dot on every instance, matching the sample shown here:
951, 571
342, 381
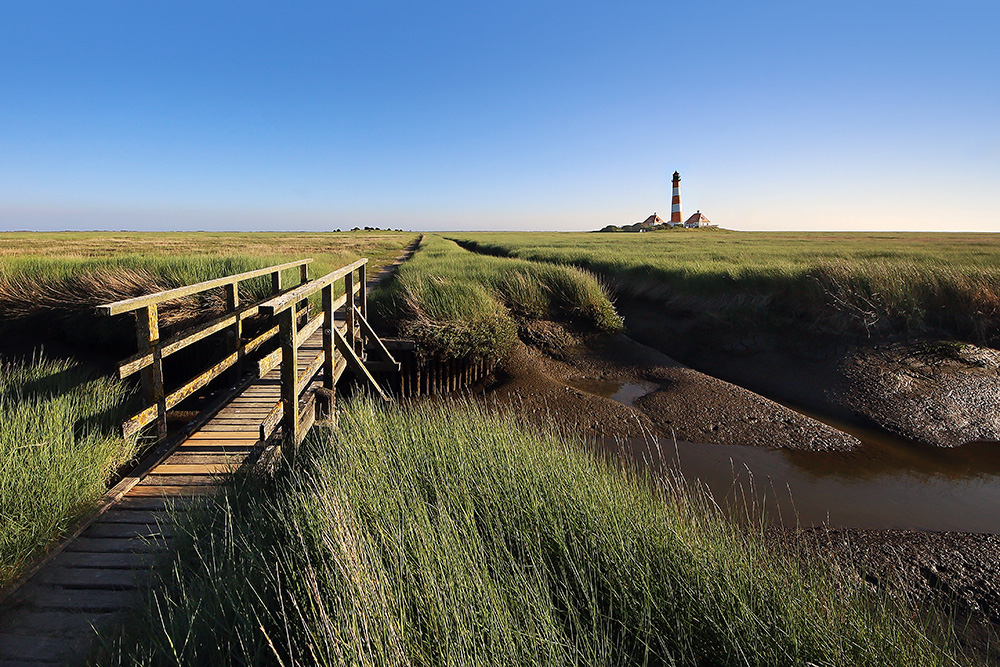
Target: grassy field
460, 304
880, 282
54, 279
60, 443
437, 535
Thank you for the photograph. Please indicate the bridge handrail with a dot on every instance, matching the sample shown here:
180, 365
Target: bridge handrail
146, 300
152, 350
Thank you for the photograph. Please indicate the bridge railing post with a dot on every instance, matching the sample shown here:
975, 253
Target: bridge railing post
352, 330
147, 334
287, 334
363, 304
235, 332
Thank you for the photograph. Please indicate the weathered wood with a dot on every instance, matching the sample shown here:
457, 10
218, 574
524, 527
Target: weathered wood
147, 334
106, 545
128, 530
235, 333
192, 335
84, 600
306, 377
285, 301
354, 362
370, 333
93, 578
21, 650
289, 374
328, 325
349, 311
104, 560
307, 419
135, 303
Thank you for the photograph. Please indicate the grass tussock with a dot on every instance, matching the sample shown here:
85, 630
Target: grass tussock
59, 446
874, 284
439, 535
459, 304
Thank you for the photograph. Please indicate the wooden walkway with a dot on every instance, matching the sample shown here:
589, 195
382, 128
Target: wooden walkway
96, 577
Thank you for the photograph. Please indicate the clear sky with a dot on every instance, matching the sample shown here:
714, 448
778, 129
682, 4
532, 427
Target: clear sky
498, 115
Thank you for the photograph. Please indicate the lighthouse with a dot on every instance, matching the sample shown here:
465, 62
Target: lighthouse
675, 202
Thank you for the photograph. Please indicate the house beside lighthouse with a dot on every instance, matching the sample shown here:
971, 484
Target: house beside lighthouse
654, 222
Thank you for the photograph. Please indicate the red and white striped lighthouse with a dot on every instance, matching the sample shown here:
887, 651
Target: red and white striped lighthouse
675, 202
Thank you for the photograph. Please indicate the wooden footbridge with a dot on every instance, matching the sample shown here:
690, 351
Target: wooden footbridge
272, 401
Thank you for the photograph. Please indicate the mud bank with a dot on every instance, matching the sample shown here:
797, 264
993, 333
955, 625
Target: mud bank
941, 393
612, 386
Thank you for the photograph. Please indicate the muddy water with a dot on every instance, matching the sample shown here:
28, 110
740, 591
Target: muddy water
891, 482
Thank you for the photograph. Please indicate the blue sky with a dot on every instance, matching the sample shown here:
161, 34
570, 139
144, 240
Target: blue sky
512, 115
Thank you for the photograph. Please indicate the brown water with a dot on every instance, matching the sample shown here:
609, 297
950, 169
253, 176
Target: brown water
890, 482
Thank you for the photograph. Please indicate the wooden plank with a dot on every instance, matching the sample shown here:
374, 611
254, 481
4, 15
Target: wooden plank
130, 530
155, 479
83, 599
116, 545
306, 376
133, 516
126, 305
167, 491
128, 504
116, 579
36, 649
357, 364
196, 468
104, 560
229, 459
287, 300
37, 623
217, 437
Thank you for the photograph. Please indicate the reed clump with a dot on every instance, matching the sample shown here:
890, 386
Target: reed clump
441, 535
60, 443
459, 304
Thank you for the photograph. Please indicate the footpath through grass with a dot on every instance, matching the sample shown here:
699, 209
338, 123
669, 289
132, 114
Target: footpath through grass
438, 535
460, 304
60, 443
874, 282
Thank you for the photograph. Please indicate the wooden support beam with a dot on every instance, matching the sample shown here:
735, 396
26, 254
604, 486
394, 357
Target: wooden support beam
379, 345
355, 362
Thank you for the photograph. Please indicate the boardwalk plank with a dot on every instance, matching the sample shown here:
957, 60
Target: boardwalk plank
107, 545
92, 578
103, 560
140, 530
69, 599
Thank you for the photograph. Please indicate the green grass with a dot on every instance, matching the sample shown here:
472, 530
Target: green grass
459, 304
54, 280
60, 443
438, 535
878, 282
